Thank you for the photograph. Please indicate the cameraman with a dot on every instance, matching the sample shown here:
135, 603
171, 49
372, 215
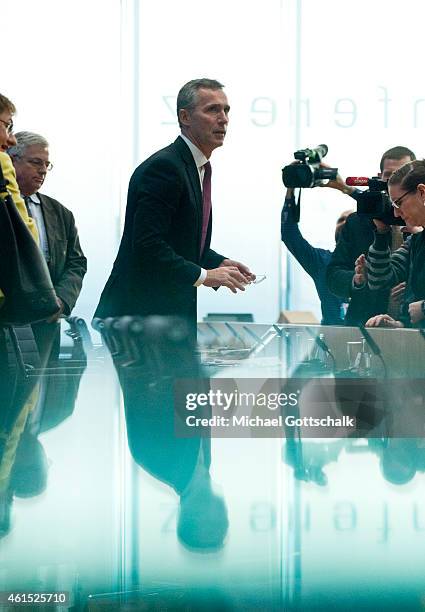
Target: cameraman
355, 239
312, 259
406, 188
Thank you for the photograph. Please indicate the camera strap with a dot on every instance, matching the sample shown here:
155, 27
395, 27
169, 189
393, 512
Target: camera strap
297, 208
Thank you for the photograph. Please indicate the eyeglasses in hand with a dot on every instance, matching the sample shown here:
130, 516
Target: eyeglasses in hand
259, 278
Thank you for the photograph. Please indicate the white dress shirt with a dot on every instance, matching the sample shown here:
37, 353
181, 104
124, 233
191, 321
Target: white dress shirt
36, 212
200, 161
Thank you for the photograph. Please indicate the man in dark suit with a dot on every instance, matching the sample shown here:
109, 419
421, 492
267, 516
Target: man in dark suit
165, 249
58, 235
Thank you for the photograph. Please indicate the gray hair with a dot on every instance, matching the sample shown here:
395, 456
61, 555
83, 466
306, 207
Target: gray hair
24, 140
188, 94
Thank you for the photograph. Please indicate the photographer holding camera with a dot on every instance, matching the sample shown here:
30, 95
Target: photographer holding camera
308, 171
406, 188
314, 260
356, 237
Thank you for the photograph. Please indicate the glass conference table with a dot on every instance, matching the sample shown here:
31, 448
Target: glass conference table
103, 506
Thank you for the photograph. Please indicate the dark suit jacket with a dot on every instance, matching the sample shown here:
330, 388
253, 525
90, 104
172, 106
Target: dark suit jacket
159, 257
356, 237
67, 265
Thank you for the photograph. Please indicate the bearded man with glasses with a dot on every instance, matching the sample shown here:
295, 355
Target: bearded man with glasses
58, 234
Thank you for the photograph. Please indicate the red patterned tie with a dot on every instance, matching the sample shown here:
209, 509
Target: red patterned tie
206, 203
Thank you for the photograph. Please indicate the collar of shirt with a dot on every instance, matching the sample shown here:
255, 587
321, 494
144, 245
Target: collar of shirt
198, 157
37, 214
34, 198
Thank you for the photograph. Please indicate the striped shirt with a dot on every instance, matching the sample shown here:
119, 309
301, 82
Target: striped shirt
384, 269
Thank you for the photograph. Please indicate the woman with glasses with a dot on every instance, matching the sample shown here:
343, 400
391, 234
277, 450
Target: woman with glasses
406, 188
7, 139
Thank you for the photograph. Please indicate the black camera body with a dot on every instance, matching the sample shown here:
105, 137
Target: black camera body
308, 173
375, 203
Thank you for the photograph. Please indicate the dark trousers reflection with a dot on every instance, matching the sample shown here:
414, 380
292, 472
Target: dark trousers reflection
165, 351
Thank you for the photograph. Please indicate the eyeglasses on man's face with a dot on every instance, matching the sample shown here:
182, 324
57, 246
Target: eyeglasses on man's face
398, 202
40, 164
8, 125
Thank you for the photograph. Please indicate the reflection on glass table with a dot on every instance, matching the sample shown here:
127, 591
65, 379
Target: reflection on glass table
106, 502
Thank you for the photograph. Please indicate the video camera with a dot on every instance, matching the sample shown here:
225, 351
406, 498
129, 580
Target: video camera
374, 203
308, 173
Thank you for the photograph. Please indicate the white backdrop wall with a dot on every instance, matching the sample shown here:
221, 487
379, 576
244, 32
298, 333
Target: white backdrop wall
63, 74
99, 80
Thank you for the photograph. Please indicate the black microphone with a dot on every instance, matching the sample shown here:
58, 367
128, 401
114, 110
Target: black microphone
375, 348
322, 344
371, 342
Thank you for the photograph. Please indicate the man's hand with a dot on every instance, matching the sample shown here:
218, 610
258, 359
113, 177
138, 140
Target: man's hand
382, 227
395, 299
243, 269
411, 229
226, 276
59, 313
415, 312
360, 271
397, 293
383, 320
337, 183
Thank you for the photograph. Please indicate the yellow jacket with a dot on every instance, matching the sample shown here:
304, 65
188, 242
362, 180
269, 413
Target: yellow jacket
10, 175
